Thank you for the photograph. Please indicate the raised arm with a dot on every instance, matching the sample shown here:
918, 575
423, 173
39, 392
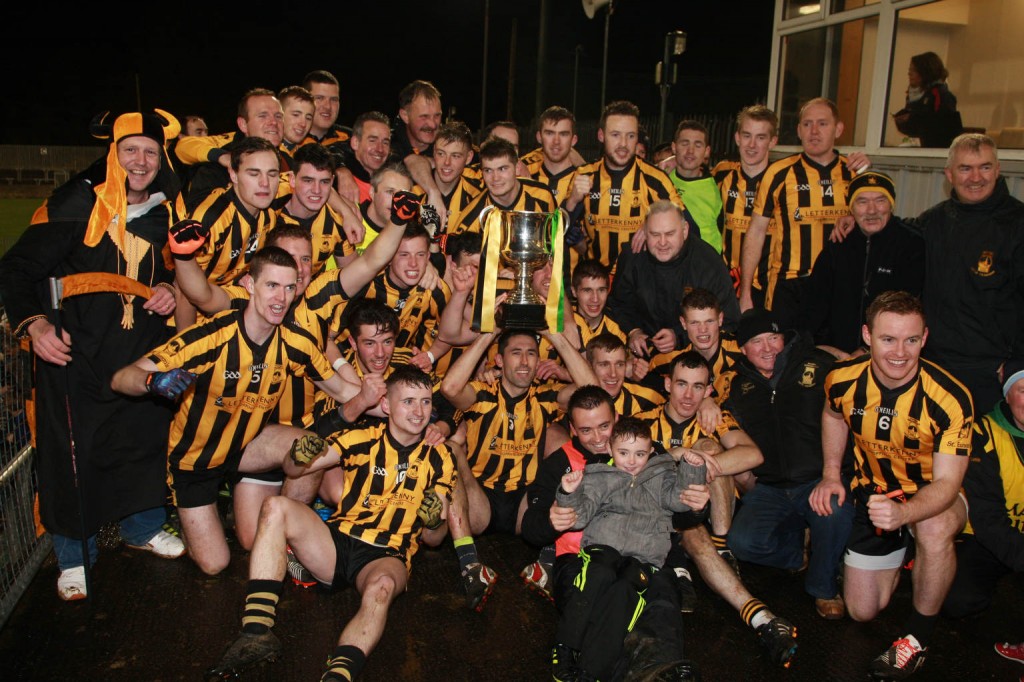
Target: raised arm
360, 271
580, 371
455, 385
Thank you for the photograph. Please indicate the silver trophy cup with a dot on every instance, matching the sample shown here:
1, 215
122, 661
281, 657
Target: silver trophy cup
525, 247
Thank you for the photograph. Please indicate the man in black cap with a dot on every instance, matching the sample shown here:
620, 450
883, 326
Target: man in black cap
109, 221
881, 254
776, 393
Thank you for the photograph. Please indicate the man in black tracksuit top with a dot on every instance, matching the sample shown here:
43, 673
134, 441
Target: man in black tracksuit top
777, 394
974, 272
881, 254
649, 286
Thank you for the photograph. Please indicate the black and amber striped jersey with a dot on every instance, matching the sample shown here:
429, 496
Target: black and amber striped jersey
324, 403
896, 431
505, 436
458, 200
805, 199
235, 236
238, 384
336, 140
560, 184
618, 204
532, 158
739, 191
326, 232
312, 314
419, 310
634, 399
532, 196
384, 486
606, 324
726, 356
669, 433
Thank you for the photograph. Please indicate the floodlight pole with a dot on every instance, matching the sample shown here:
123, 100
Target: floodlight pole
604, 66
483, 86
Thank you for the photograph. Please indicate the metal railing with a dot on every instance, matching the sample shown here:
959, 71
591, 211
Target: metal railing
23, 546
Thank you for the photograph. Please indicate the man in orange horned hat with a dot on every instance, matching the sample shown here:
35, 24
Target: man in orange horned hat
101, 457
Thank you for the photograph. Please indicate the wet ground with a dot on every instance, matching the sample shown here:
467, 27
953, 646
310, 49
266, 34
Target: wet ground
152, 619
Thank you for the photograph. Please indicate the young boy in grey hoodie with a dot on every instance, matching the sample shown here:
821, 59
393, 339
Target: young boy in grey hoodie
625, 512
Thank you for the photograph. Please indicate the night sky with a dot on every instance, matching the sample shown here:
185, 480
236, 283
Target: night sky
79, 63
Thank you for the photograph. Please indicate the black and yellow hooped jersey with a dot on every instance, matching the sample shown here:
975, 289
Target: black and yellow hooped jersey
618, 204
806, 200
235, 236
671, 434
739, 191
726, 357
327, 236
533, 196
238, 384
634, 399
384, 486
896, 431
606, 324
505, 435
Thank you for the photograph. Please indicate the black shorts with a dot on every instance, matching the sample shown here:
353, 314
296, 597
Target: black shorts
271, 478
872, 549
198, 488
352, 555
504, 509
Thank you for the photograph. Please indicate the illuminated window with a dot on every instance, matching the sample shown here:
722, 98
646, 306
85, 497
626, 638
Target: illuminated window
979, 43
832, 61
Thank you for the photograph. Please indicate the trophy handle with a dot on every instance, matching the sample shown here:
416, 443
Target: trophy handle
483, 215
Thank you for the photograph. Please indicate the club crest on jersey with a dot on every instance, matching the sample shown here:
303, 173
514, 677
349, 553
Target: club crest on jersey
326, 243
797, 215
911, 431
985, 263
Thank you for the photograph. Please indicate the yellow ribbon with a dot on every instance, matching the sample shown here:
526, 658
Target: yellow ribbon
487, 278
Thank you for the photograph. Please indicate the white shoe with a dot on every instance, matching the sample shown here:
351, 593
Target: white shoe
163, 544
71, 584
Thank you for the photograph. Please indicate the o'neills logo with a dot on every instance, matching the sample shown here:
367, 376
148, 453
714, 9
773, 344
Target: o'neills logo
984, 267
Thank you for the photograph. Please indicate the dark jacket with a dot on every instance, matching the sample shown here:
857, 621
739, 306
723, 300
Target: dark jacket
847, 277
974, 279
646, 293
783, 415
540, 495
933, 118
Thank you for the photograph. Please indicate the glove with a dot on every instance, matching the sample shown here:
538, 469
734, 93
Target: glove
404, 207
186, 237
430, 509
169, 384
304, 450
431, 220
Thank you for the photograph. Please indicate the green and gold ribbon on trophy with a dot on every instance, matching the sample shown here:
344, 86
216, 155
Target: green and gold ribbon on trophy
524, 241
